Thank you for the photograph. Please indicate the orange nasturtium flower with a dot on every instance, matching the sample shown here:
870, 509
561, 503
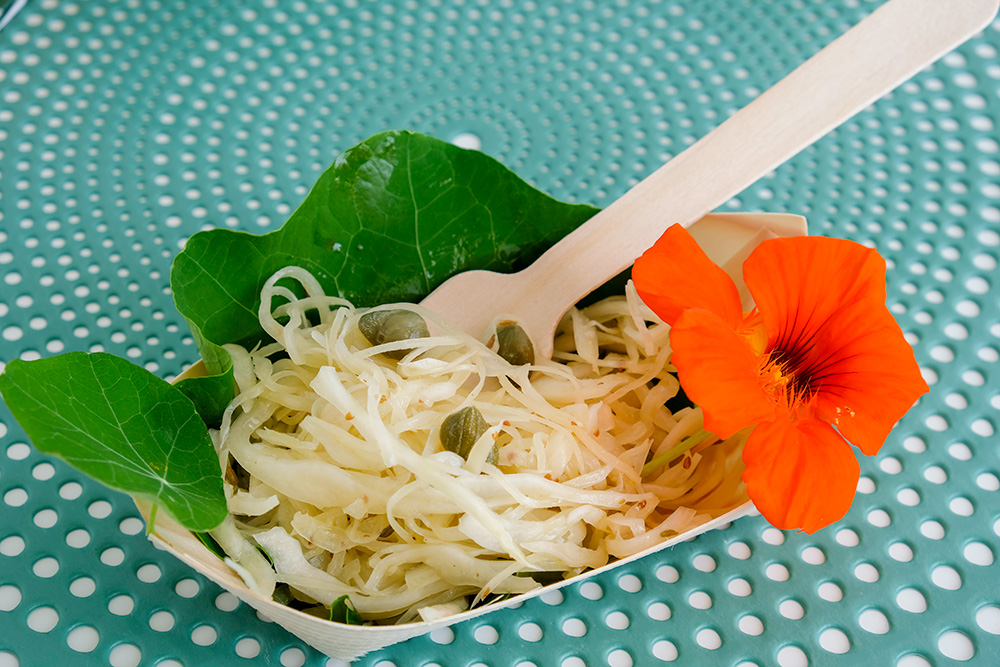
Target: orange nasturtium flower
819, 362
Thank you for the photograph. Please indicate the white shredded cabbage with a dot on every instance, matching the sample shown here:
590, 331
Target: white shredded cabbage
336, 472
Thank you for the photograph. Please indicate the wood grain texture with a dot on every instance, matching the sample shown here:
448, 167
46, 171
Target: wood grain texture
885, 49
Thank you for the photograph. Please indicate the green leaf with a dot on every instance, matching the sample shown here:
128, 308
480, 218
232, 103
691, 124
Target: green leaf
211, 544
212, 393
342, 611
390, 220
123, 426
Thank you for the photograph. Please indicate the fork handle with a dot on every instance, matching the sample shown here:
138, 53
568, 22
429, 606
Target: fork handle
888, 47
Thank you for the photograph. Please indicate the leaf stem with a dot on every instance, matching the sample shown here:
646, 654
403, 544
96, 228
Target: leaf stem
152, 520
678, 449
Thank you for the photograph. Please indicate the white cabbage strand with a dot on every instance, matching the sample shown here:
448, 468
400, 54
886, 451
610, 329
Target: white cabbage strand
347, 490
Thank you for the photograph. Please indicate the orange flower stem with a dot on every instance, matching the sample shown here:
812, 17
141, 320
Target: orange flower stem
678, 449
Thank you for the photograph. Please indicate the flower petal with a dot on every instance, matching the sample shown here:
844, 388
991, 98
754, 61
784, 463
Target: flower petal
823, 305
800, 474
718, 371
676, 274
800, 284
870, 381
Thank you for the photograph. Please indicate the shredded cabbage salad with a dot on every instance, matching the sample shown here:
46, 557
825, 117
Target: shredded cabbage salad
337, 483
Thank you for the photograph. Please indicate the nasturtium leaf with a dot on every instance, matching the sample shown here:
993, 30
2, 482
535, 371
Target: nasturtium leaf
391, 219
124, 427
211, 393
343, 611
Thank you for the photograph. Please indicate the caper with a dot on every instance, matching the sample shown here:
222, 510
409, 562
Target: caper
390, 326
514, 345
461, 430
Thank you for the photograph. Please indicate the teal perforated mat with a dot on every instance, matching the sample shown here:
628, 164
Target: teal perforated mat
127, 125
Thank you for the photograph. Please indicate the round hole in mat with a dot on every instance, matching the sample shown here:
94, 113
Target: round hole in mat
665, 650
620, 658
911, 600
658, 611
907, 496
204, 635
956, 645
960, 451
99, 509
148, 573
813, 555
792, 656
530, 632
700, 600
83, 638
704, 563
187, 588
292, 657
131, 526
751, 625
847, 537
443, 636
739, 550
830, 591
791, 609
932, 530
987, 481
935, 475
43, 619
866, 572
835, 641
667, 573
708, 638
226, 601
18, 451
915, 444
946, 577
70, 491
467, 140
961, 506
740, 587
248, 648
78, 538
15, 497
10, 597
43, 472
988, 618
591, 590
82, 587
552, 598
161, 621
113, 556
486, 634
913, 660
873, 621
773, 536
121, 605
125, 655
630, 583
12, 545
776, 572
891, 465
574, 627
978, 553
616, 620
45, 568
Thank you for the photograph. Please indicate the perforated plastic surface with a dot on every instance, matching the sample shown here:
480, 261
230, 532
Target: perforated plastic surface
127, 125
